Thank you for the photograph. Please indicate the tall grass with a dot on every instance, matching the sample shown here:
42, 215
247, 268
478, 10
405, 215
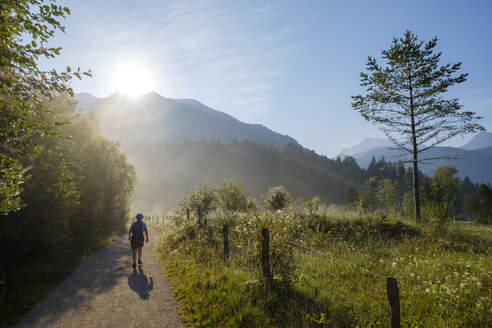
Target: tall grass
336, 278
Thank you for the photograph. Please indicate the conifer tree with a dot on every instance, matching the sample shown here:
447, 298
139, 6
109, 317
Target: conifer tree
405, 97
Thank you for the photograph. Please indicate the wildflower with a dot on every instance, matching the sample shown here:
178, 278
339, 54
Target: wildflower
427, 290
479, 284
393, 264
462, 285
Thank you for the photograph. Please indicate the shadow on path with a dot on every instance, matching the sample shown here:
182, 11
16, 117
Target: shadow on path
97, 275
139, 283
104, 292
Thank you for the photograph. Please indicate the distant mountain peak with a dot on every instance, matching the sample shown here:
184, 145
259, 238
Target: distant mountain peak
165, 119
365, 145
480, 140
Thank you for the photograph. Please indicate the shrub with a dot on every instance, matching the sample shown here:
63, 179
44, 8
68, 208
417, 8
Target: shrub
276, 198
231, 196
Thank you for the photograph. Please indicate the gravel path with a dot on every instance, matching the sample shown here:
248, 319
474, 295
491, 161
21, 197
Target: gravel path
105, 291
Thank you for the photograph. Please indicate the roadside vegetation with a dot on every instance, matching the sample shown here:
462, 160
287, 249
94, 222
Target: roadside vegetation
75, 199
64, 190
328, 264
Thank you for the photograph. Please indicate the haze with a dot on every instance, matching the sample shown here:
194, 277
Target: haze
288, 65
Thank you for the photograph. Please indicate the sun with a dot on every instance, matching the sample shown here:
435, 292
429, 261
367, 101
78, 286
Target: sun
132, 78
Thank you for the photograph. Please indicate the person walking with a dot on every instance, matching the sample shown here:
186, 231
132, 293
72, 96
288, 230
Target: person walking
136, 237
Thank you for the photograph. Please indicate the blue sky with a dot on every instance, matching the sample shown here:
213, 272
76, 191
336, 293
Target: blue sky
290, 65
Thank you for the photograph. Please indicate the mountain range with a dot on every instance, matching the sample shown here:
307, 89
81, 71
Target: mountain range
153, 118
472, 159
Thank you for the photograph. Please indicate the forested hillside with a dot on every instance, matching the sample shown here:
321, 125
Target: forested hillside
167, 170
471, 163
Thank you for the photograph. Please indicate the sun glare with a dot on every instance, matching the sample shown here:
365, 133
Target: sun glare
132, 78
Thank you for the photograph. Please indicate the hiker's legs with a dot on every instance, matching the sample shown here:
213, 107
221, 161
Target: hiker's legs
135, 255
139, 254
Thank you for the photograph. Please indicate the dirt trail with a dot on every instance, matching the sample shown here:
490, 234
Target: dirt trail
105, 291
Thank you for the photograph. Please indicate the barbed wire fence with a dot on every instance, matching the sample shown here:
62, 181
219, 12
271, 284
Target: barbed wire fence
378, 275
391, 283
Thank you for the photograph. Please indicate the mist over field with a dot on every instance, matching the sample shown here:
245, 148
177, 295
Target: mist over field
177, 144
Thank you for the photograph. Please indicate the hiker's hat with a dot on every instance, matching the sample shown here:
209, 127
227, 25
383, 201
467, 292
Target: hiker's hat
139, 216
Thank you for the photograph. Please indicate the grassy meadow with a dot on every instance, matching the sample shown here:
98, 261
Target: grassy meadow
329, 269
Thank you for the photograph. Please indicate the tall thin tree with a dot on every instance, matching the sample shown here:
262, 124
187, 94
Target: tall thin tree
405, 97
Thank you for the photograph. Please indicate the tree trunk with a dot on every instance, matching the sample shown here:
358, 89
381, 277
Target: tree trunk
416, 196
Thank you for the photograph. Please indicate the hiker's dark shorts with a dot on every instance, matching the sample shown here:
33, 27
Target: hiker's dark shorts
137, 242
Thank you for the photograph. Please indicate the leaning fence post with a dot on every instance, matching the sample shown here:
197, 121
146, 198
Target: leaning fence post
225, 233
265, 255
394, 301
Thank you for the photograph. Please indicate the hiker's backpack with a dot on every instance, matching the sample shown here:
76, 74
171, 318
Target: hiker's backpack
137, 229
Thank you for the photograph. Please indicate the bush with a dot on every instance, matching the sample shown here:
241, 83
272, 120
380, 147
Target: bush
276, 198
231, 196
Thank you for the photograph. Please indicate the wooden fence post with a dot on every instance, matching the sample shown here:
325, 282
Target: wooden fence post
265, 256
225, 234
188, 213
199, 213
394, 301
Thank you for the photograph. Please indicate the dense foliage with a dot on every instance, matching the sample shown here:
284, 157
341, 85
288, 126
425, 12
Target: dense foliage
63, 189
442, 196
479, 206
25, 29
76, 196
